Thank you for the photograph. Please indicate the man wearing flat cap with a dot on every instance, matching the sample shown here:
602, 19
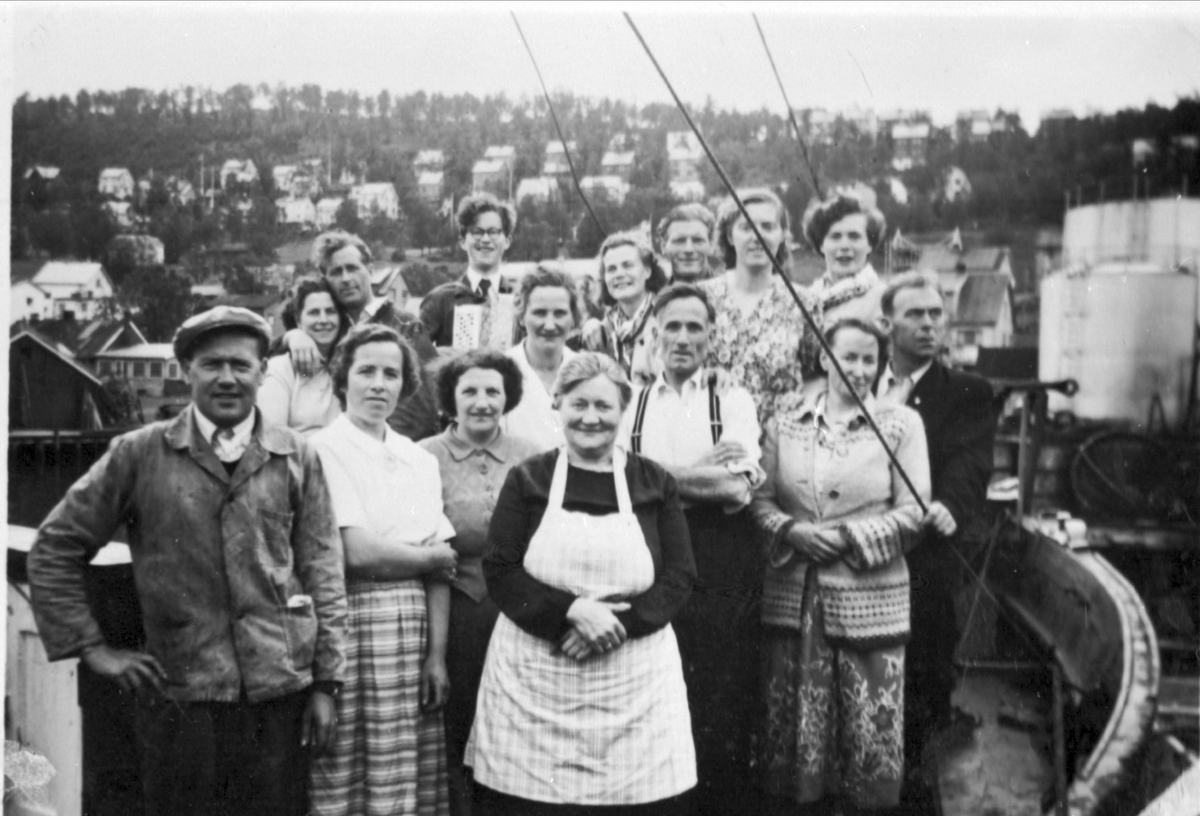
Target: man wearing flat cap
238, 567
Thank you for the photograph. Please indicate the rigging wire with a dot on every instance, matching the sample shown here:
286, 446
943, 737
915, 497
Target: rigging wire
813, 327
812, 173
558, 128
779, 270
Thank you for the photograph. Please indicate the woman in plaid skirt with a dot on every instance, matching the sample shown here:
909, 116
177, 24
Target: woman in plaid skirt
389, 754
582, 707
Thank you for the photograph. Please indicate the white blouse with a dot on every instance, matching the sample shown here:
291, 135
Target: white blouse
391, 488
305, 404
535, 417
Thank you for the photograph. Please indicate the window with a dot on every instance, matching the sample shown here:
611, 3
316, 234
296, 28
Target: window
156, 370
139, 369
172, 371
968, 338
104, 367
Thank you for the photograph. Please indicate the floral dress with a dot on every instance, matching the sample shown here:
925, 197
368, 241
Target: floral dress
760, 349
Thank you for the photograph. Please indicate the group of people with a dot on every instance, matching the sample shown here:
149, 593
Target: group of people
654, 561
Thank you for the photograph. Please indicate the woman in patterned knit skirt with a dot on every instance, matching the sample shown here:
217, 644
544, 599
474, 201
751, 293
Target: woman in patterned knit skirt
838, 518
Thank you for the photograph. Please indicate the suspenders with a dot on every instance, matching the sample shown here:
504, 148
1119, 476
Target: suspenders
639, 416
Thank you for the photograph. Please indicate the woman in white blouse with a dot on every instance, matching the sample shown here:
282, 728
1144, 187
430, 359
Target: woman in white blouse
549, 308
389, 752
306, 404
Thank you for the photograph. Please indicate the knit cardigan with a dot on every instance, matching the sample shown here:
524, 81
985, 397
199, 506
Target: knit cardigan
842, 479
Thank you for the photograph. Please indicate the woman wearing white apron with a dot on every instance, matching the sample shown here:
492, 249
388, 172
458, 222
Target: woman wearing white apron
582, 705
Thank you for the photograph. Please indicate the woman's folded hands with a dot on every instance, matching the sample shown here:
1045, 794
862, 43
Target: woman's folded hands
595, 628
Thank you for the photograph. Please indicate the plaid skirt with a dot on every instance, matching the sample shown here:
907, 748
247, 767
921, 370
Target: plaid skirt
389, 756
835, 716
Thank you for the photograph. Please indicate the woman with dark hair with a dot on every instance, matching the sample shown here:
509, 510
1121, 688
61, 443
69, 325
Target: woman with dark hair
389, 752
582, 706
630, 275
474, 456
844, 228
758, 332
548, 308
306, 404
838, 519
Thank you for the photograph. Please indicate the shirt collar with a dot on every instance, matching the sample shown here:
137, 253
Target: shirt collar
889, 375
369, 311
499, 448
474, 277
693, 383
241, 432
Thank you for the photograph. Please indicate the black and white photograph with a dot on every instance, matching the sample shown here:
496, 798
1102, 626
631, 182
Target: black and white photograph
599, 409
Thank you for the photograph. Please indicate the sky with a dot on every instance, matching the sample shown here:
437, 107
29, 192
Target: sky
939, 57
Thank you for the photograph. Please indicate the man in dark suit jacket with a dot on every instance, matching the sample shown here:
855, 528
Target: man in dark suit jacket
960, 427
485, 226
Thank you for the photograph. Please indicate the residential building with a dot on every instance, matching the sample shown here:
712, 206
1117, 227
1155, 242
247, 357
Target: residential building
617, 163
28, 301
147, 366
555, 163
388, 282
683, 155
614, 188
79, 289
375, 198
143, 250
502, 153
85, 340
431, 186
238, 171
817, 123
429, 161
909, 145
121, 212
116, 182
44, 172
296, 211
692, 190
50, 390
281, 175
982, 317
327, 212
542, 189
491, 176
181, 191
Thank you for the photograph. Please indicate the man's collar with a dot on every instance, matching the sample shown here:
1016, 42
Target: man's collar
474, 276
369, 311
180, 432
696, 381
499, 448
889, 374
241, 432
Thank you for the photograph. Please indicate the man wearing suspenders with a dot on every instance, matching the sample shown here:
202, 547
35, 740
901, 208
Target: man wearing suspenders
709, 443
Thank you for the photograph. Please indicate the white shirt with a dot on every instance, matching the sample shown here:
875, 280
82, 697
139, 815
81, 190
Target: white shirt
677, 430
392, 488
889, 378
534, 417
474, 277
229, 446
370, 309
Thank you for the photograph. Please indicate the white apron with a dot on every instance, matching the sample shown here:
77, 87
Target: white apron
613, 729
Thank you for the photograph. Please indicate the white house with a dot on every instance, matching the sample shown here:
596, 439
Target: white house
377, 197
281, 175
490, 175
503, 153
683, 155
120, 212
909, 145
296, 211
238, 171
613, 187
617, 163
43, 171
430, 185
692, 190
145, 250
181, 191
541, 189
28, 301
327, 212
147, 366
555, 163
116, 182
79, 289
429, 161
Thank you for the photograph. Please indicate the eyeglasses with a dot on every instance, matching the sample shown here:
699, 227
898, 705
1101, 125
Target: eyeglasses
493, 234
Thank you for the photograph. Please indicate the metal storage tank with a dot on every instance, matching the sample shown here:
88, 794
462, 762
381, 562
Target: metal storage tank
1125, 332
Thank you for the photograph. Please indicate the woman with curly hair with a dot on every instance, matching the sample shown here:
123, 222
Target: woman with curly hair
758, 332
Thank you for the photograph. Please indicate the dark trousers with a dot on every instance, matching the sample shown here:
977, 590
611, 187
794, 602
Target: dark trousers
223, 758
719, 632
929, 669
471, 626
490, 802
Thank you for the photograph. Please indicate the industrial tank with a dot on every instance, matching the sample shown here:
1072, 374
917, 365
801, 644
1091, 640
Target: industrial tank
1126, 332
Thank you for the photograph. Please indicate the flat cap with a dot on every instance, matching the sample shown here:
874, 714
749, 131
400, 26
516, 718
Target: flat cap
218, 317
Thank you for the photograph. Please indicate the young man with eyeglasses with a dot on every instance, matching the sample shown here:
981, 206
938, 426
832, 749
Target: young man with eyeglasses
485, 225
